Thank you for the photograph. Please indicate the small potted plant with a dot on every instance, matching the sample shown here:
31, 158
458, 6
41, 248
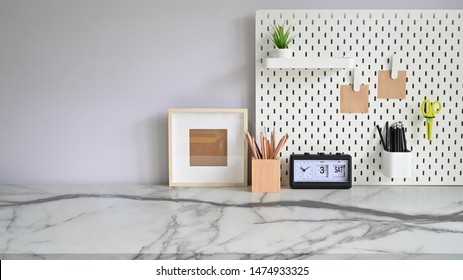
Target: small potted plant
281, 37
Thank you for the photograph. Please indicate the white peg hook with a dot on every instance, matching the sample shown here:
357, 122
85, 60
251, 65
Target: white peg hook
395, 66
357, 76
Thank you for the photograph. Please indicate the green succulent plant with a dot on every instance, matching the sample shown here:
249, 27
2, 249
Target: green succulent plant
281, 37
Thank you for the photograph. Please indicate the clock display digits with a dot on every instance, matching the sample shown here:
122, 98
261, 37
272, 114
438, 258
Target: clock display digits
322, 170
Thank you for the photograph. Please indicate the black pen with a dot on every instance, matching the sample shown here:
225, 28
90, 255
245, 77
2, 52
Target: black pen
397, 143
387, 136
391, 139
401, 149
404, 139
381, 137
404, 149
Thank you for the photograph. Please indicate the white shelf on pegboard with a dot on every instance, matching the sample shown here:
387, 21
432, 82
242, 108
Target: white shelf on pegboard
309, 63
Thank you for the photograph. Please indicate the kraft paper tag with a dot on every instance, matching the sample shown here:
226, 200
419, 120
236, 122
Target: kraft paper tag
354, 102
389, 88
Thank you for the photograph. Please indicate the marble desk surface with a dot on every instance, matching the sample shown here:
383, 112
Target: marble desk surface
158, 222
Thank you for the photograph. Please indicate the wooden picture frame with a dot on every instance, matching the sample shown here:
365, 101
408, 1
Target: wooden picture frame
207, 148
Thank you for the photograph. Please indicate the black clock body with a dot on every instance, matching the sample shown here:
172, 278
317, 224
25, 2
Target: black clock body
320, 171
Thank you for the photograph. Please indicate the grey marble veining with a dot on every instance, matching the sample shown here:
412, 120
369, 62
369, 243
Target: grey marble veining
158, 222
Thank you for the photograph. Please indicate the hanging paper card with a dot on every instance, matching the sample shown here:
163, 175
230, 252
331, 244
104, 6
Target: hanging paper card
392, 88
354, 102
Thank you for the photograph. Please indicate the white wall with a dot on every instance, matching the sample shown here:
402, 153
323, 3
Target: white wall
85, 85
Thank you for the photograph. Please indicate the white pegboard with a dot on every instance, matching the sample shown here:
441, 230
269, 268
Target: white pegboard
305, 102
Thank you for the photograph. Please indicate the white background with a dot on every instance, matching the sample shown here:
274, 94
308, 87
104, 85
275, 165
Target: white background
318, 270
85, 85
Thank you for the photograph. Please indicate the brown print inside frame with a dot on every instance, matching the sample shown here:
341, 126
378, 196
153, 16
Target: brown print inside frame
208, 147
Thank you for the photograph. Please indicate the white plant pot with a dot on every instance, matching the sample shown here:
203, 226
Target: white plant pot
282, 53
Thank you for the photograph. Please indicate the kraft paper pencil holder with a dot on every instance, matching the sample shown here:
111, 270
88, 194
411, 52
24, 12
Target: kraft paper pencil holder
265, 175
397, 164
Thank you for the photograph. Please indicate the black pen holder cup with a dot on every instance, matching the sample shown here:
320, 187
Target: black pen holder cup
397, 164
